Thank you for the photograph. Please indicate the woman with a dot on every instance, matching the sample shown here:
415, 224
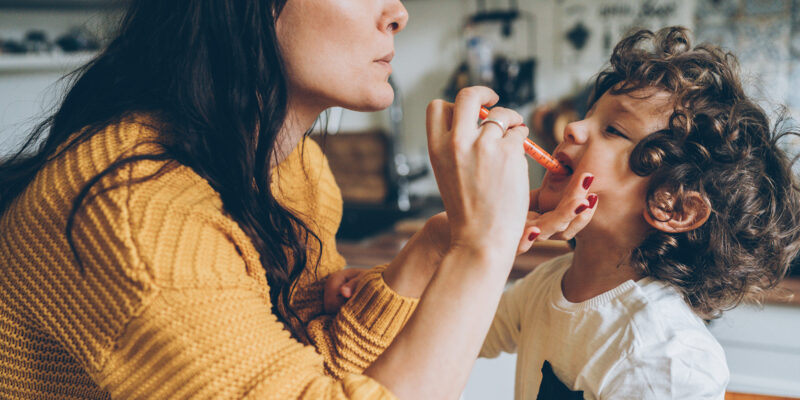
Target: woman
170, 236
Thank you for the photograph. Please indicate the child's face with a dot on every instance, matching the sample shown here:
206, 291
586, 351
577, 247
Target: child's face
601, 144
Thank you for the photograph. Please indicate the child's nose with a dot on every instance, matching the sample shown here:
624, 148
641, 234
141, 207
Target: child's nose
575, 132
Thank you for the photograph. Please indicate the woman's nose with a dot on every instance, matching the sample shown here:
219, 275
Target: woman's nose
395, 17
575, 133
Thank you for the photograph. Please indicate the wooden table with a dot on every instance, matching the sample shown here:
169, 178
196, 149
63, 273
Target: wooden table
382, 248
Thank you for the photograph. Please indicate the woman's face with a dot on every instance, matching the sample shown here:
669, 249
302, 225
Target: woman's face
602, 144
338, 52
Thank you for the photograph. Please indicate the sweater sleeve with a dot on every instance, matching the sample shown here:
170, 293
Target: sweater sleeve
200, 321
506, 327
364, 327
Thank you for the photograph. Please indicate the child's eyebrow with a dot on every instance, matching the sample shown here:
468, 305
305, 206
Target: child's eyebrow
625, 108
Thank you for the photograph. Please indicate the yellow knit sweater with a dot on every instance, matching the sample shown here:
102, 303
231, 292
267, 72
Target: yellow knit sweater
173, 302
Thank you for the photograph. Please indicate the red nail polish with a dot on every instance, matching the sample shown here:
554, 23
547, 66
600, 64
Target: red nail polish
532, 236
581, 209
587, 182
592, 200
524, 125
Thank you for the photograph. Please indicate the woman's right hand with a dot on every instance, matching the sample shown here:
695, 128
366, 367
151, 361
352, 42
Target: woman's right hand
483, 180
481, 171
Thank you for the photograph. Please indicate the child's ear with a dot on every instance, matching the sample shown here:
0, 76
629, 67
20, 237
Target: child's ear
695, 213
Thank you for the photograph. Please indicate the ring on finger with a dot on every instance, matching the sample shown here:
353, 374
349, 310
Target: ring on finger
497, 122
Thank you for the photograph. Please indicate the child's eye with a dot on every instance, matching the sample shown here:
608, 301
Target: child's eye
610, 130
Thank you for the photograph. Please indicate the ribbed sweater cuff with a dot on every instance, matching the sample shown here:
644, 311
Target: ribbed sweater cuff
375, 308
362, 387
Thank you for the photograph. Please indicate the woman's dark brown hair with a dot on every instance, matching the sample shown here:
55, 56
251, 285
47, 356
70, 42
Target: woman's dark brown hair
718, 143
212, 74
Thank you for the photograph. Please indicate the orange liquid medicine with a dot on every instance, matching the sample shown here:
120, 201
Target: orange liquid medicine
537, 153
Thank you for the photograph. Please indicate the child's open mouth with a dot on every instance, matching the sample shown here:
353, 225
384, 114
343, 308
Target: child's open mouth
565, 161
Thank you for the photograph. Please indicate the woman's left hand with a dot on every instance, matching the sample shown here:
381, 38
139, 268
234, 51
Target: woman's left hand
573, 212
339, 287
561, 223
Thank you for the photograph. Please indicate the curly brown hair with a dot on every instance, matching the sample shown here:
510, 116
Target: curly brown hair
719, 143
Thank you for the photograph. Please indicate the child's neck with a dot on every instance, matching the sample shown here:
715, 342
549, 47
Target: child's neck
597, 267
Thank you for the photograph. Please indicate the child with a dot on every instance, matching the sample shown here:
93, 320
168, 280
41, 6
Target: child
696, 211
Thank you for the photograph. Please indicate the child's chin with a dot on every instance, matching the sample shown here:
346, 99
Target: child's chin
548, 200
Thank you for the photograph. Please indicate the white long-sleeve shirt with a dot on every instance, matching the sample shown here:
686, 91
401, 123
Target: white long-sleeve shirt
639, 340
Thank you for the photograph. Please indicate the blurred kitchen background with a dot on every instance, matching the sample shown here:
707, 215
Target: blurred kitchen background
539, 55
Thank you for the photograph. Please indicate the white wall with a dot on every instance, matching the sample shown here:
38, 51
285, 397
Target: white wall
29, 94
432, 46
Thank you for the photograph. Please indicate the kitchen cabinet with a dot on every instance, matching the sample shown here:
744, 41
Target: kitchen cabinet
762, 348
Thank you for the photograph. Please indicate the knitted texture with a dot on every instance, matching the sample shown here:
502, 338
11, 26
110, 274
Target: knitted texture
173, 301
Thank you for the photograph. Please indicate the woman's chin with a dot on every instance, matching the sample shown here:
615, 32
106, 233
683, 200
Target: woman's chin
371, 106
379, 99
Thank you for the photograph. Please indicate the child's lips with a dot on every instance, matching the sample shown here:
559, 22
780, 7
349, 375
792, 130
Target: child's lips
566, 161
557, 178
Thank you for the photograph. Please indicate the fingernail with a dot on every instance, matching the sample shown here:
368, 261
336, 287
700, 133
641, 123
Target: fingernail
581, 208
588, 182
524, 125
592, 200
532, 236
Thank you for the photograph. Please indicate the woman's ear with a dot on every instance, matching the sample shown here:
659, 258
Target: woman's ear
695, 212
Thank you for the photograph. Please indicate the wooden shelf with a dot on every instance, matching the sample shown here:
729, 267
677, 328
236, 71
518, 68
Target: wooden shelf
58, 62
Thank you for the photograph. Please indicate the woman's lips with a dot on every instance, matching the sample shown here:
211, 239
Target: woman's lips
386, 61
384, 64
387, 58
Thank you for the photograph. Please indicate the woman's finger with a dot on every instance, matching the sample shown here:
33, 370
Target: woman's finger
530, 233
554, 222
580, 221
334, 294
332, 300
573, 206
439, 121
468, 107
515, 136
533, 204
576, 192
350, 283
529, 236
508, 122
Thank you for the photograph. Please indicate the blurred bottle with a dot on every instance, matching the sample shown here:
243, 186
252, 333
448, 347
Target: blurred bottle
480, 60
